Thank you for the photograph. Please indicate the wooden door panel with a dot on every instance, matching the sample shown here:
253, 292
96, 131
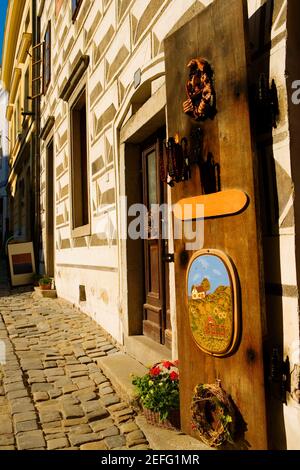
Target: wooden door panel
154, 270
152, 329
221, 41
154, 307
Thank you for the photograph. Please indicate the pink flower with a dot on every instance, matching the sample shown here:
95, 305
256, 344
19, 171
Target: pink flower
175, 363
167, 364
174, 376
155, 371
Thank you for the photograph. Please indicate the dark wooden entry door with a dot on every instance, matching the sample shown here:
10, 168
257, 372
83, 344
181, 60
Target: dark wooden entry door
154, 323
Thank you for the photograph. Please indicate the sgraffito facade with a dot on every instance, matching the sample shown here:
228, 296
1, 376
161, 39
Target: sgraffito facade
16, 77
103, 107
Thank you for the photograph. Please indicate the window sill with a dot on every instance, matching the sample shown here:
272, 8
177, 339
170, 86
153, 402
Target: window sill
83, 231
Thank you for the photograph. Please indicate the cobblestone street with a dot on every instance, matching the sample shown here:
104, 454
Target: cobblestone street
53, 395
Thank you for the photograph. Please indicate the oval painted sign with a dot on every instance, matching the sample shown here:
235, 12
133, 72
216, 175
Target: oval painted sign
212, 302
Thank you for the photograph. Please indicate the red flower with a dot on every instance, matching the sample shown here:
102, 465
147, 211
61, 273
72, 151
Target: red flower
167, 364
155, 371
174, 376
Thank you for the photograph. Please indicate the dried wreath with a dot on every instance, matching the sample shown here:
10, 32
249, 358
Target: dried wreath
213, 414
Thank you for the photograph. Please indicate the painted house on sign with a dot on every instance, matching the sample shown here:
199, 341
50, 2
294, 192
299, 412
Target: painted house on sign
198, 293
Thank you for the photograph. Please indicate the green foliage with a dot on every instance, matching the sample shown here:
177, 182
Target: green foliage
158, 390
45, 280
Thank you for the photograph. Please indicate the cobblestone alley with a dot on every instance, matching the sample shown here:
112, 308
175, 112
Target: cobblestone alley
53, 395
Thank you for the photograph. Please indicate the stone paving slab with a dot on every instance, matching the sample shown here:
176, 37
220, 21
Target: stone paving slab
53, 393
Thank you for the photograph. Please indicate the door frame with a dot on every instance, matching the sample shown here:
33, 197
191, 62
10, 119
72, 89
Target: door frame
130, 132
50, 209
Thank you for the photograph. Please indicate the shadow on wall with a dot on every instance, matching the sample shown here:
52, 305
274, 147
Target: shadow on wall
273, 182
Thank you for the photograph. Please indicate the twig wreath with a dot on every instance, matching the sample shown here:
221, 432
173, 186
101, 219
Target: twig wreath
213, 414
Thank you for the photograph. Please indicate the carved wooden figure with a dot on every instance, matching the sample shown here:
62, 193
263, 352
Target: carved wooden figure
201, 102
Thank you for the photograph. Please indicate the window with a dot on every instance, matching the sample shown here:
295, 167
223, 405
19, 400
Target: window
17, 119
75, 8
79, 167
27, 100
47, 58
27, 22
12, 137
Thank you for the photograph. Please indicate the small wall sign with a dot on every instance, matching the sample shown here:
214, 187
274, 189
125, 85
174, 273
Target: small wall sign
212, 299
21, 263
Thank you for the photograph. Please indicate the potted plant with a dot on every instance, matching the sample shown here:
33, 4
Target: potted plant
158, 392
45, 283
36, 278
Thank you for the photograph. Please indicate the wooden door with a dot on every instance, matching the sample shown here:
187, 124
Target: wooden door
50, 212
154, 322
214, 36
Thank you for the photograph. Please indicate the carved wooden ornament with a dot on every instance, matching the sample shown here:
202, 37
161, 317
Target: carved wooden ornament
201, 102
212, 301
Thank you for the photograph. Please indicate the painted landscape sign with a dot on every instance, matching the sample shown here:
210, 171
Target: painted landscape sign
212, 304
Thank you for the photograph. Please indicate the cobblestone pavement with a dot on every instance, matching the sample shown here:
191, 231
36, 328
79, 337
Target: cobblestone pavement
53, 395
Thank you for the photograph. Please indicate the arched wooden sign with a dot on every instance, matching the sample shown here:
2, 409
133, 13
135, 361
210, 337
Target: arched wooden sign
212, 298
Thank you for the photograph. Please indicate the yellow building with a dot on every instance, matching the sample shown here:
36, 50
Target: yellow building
17, 79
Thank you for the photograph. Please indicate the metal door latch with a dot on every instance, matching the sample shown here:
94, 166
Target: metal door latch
169, 258
280, 374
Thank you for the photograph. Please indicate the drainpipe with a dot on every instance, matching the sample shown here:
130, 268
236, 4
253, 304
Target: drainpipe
36, 148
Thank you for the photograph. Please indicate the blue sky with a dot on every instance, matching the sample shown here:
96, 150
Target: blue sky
212, 268
3, 6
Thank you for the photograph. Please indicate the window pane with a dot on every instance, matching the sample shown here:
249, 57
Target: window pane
152, 197
80, 199
47, 57
27, 102
74, 5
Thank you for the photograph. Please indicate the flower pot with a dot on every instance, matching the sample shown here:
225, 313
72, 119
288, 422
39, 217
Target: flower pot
45, 286
172, 422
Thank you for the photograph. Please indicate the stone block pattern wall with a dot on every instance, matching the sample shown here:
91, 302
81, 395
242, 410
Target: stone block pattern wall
119, 36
